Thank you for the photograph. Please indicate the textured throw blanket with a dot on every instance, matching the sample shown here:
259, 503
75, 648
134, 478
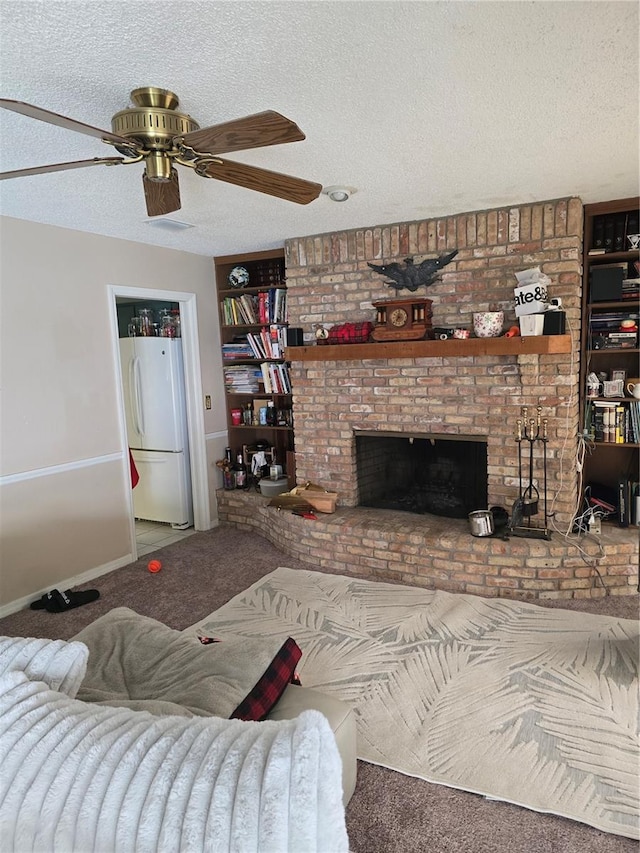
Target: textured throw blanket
139, 663
81, 777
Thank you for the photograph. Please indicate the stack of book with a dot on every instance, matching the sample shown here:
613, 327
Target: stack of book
605, 330
611, 232
272, 305
268, 343
631, 288
613, 422
252, 309
240, 310
237, 350
275, 378
242, 379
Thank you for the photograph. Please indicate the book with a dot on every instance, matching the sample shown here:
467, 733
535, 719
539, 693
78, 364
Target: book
623, 502
263, 310
619, 425
266, 378
598, 236
609, 228
619, 230
603, 419
256, 345
635, 503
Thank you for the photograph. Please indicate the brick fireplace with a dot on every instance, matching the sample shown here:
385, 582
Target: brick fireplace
330, 282
448, 389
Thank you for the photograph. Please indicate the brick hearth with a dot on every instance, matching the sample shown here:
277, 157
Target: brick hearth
440, 553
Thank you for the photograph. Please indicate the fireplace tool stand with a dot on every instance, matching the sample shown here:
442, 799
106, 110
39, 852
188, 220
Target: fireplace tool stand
532, 431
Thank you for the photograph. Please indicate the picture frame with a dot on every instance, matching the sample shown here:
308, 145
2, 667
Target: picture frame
614, 388
618, 375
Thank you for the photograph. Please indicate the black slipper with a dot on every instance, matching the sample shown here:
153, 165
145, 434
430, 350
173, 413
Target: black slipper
56, 601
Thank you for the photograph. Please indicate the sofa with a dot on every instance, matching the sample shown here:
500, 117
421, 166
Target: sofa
123, 739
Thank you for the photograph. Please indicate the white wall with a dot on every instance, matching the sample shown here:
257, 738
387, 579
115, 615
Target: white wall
63, 467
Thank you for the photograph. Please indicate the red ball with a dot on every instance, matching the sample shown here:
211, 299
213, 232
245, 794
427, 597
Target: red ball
154, 566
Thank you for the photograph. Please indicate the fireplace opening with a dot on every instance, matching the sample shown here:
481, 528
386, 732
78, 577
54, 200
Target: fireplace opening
444, 476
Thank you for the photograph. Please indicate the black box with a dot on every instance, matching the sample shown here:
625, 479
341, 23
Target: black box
606, 284
554, 323
295, 337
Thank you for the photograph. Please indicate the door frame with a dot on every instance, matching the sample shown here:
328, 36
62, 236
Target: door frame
193, 393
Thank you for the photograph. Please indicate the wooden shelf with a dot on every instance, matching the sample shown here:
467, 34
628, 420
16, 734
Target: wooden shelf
262, 267
606, 462
614, 350
608, 444
452, 348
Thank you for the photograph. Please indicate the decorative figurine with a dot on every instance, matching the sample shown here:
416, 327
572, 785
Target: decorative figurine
413, 276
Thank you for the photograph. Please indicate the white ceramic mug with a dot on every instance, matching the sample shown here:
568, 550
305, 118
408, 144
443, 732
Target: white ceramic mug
634, 389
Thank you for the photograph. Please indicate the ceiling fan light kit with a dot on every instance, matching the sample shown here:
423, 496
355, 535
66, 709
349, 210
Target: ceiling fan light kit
153, 131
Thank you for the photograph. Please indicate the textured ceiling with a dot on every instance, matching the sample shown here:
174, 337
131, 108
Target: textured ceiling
427, 108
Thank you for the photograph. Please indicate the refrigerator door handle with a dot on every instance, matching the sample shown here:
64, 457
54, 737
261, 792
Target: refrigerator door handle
136, 397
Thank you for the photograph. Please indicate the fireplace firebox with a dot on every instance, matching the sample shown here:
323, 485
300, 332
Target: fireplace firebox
440, 475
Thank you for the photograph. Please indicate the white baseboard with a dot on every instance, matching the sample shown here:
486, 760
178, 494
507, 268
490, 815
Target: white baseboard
22, 603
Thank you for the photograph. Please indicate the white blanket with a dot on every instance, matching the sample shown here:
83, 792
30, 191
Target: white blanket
81, 777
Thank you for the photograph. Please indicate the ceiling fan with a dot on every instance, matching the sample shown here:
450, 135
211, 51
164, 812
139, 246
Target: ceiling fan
154, 132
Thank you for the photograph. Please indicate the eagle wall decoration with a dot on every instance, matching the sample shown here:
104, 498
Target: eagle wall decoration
412, 276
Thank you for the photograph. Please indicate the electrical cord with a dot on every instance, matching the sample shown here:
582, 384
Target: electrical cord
577, 518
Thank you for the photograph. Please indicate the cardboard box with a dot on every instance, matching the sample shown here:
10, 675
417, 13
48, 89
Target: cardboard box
530, 299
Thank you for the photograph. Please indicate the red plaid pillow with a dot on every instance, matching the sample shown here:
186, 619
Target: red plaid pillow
270, 686
280, 672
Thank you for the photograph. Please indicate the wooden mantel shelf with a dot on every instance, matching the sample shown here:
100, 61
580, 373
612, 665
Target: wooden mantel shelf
529, 345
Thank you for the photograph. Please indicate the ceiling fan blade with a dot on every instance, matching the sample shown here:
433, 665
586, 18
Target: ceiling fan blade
264, 181
61, 167
162, 196
254, 131
40, 114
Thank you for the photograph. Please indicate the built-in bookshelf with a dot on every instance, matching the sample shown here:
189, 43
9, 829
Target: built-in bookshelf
252, 302
610, 363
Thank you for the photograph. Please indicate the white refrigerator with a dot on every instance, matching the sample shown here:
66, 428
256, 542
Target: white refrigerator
156, 413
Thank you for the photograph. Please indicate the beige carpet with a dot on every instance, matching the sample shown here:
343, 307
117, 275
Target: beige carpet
525, 704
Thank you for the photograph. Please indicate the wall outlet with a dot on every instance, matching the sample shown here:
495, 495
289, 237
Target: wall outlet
207, 401
595, 525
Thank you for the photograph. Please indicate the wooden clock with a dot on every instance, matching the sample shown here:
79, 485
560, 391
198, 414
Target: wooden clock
402, 319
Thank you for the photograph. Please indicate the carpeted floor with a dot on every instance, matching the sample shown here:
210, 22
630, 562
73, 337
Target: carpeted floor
389, 812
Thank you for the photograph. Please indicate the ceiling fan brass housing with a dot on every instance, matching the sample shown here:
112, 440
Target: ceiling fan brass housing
154, 122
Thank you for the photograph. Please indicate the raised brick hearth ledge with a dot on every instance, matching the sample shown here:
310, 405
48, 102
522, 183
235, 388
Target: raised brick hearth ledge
440, 553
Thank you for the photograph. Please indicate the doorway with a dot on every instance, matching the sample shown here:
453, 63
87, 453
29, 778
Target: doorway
121, 300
